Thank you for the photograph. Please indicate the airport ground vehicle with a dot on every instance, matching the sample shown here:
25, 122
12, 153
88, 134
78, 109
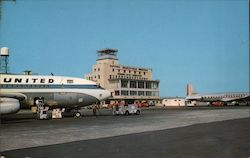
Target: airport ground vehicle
126, 109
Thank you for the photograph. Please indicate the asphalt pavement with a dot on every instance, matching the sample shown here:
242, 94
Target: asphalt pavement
164, 133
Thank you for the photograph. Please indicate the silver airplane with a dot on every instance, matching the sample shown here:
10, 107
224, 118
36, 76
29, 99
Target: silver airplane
21, 91
213, 98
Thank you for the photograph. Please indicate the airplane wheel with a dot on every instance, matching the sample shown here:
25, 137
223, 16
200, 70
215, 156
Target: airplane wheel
126, 113
137, 112
78, 114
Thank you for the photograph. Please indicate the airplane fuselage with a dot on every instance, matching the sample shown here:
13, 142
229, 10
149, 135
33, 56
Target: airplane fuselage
224, 97
57, 91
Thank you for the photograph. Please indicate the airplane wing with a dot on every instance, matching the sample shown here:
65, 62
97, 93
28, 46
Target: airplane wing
194, 97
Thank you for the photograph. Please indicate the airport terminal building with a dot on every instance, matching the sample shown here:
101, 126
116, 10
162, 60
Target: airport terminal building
126, 83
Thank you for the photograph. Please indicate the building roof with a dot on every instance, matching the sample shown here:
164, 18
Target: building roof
107, 53
107, 50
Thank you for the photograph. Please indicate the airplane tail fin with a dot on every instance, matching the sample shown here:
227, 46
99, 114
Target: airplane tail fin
190, 89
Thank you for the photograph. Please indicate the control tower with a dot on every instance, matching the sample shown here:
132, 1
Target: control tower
107, 53
4, 60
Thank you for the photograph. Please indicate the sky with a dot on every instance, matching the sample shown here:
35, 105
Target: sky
202, 42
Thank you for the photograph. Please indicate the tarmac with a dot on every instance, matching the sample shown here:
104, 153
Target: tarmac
157, 132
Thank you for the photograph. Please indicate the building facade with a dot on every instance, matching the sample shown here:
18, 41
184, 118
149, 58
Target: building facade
131, 84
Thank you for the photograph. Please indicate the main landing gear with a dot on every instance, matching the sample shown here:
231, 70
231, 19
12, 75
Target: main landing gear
75, 111
77, 114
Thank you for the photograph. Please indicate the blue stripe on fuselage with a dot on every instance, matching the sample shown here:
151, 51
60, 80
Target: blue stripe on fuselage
47, 86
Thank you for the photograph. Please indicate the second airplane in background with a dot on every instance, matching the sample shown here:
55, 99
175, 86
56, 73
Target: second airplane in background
217, 98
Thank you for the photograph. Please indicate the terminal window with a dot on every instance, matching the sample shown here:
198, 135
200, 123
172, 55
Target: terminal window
132, 84
124, 84
117, 93
124, 92
141, 93
140, 84
148, 85
155, 85
148, 93
133, 93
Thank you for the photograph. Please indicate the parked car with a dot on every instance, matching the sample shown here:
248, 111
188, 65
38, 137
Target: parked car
126, 109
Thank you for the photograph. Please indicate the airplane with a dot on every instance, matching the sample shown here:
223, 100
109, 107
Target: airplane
217, 98
19, 91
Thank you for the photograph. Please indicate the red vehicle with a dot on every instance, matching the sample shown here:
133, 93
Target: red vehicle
217, 103
143, 104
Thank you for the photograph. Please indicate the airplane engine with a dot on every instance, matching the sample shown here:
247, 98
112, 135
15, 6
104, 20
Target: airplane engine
9, 105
